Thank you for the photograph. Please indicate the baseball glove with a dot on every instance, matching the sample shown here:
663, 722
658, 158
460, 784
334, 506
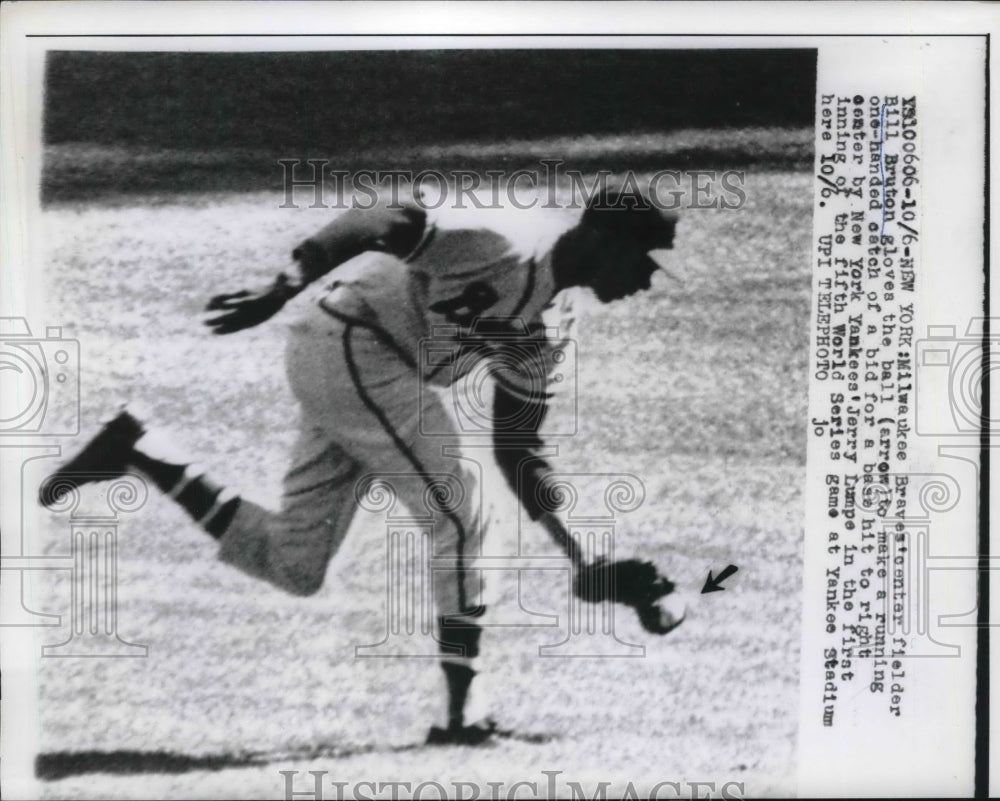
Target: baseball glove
248, 308
635, 583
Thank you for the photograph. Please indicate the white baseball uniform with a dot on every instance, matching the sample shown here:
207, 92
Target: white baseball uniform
360, 362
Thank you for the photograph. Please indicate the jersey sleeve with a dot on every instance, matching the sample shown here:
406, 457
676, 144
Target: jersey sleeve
521, 402
526, 365
383, 227
521, 364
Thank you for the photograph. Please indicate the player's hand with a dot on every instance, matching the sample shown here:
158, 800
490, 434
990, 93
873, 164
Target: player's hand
247, 308
635, 583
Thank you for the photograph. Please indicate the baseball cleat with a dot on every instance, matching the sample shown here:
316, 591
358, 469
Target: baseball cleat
104, 457
478, 733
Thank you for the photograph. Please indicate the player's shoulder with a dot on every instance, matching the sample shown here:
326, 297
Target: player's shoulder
524, 231
392, 222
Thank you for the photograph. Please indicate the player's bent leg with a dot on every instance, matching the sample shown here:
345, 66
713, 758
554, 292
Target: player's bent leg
292, 548
248, 544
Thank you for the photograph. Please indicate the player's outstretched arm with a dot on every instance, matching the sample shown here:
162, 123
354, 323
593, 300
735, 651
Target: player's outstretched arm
384, 227
248, 307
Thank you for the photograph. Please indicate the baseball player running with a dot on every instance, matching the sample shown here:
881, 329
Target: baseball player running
400, 273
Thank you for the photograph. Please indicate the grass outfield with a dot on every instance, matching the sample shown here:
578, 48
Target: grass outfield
698, 387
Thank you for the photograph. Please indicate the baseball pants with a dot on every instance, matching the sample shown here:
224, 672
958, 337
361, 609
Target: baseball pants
362, 413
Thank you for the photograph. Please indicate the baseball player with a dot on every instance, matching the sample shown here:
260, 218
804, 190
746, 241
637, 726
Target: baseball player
395, 275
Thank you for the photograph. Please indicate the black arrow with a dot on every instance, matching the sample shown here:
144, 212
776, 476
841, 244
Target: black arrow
715, 584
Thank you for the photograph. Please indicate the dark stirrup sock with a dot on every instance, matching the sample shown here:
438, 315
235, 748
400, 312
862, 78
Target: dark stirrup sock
209, 504
458, 679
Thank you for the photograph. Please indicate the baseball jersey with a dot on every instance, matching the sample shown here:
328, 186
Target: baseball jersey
475, 280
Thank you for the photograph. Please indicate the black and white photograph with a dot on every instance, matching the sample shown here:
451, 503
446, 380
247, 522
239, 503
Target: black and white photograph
427, 416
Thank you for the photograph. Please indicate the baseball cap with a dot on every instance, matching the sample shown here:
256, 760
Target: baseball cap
625, 209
